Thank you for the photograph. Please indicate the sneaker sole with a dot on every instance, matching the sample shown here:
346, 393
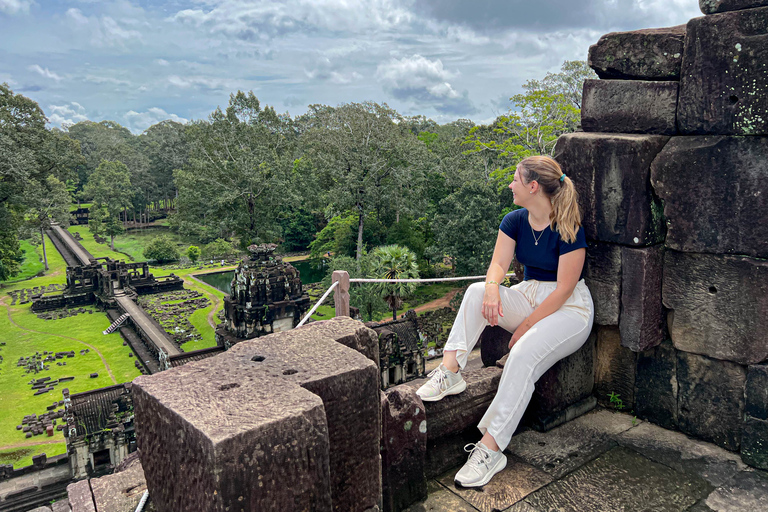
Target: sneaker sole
497, 468
453, 390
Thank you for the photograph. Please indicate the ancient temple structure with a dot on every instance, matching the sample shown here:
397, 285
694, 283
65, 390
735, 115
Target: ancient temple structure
266, 297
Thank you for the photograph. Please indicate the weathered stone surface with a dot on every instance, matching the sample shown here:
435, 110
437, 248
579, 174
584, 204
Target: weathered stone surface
710, 399
349, 385
715, 6
746, 491
494, 344
754, 442
651, 54
629, 106
456, 413
603, 278
40, 509
615, 370
756, 392
349, 333
221, 437
621, 479
642, 316
441, 499
80, 497
569, 381
681, 453
119, 492
719, 305
403, 448
60, 506
509, 486
611, 173
714, 188
656, 385
447, 453
723, 82
570, 446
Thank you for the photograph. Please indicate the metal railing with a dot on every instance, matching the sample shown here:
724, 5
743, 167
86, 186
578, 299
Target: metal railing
340, 287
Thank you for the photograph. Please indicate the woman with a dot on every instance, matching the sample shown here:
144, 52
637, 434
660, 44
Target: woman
550, 312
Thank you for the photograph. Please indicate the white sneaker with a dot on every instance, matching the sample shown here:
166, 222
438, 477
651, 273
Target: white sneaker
483, 463
443, 382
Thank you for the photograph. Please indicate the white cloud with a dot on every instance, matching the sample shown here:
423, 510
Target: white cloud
161, 62
66, 114
137, 122
12, 7
47, 73
104, 30
330, 71
202, 82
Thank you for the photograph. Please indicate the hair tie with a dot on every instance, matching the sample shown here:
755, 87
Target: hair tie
562, 178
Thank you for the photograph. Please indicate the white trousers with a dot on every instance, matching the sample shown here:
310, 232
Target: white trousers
551, 339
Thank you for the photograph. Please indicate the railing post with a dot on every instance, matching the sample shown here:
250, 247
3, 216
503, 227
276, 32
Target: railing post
341, 292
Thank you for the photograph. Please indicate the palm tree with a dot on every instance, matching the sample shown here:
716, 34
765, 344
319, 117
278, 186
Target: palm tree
395, 262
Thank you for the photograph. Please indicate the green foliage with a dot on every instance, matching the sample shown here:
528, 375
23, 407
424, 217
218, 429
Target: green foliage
395, 262
219, 248
339, 236
299, 229
365, 296
193, 253
616, 401
161, 249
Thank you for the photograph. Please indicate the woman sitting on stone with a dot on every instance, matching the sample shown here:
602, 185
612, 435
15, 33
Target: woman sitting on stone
550, 312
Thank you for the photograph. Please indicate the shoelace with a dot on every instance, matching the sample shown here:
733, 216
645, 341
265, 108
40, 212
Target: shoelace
478, 454
438, 376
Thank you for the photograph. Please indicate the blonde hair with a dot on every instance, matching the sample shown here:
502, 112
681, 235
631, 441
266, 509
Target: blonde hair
565, 216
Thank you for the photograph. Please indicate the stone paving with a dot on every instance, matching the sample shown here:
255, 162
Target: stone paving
607, 461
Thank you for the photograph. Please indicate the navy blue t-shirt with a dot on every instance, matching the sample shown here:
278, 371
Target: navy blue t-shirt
540, 261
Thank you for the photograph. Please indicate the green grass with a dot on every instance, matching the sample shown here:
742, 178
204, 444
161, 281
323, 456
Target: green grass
74, 207
33, 260
96, 249
21, 457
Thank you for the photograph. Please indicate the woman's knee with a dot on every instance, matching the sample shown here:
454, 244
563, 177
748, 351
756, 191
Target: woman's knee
475, 289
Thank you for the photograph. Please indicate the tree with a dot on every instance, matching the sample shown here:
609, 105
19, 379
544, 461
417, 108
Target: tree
165, 146
111, 191
569, 82
366, 159
48, 203
193, 253
161, 249
466, 226
219, 248
237, 177
365, 296
395, 262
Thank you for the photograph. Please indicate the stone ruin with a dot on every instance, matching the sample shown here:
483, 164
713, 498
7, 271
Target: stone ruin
267, 297
401, 352
672, 172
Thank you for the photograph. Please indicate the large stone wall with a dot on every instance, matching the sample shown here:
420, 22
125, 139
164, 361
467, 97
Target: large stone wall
673, 178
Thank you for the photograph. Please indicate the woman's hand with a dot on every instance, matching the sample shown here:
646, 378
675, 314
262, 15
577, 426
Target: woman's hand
492, 309
521, 329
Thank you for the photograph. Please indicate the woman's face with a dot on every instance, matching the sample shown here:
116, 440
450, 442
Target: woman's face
520, 190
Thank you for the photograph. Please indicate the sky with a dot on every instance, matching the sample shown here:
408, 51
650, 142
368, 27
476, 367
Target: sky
138, 62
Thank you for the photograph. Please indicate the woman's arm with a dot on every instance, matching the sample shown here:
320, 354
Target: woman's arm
502, 258
568, 272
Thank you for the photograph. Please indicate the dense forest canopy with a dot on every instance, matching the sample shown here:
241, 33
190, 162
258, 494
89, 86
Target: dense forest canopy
342, 179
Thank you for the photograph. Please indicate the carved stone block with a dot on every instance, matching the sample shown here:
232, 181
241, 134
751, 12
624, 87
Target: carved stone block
651, 54
715, 6
656, 385
615, 370
629, 106
642, 316
603, 277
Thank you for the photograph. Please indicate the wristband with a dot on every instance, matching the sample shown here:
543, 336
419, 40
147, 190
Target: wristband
491, 282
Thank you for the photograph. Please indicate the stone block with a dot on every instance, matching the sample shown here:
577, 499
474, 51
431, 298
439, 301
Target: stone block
603, 278
80, 497
650, 54
568, 382
754, 442
723, 81
656, 385
756, 392
119, 492
629, 106
349, 385
713, 189
615, 369
719, 305
218, 436
494, 344
642, 316
715, 6
747, 490
711, 399
403, 448
350, 333
611, 173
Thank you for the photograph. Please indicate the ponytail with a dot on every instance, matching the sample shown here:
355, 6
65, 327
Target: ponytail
565, 216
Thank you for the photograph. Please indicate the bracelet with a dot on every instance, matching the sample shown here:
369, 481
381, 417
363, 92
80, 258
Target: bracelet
491, 282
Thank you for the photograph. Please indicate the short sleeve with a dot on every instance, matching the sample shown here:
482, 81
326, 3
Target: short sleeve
510, 224
579, 243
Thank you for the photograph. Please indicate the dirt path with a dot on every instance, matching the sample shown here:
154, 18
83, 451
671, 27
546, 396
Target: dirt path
106, 365
25, 445
214, 300
442, 302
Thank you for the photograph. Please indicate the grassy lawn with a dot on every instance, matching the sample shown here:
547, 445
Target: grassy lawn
96, 249
21, 457
33, 260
